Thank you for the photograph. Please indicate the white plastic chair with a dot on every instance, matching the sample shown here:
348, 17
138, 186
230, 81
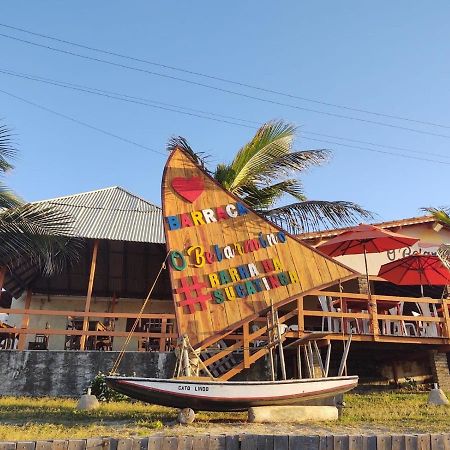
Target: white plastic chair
333, 324
428, 310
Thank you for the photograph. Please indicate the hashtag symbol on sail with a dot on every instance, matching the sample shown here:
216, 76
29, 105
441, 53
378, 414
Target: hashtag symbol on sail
193, 293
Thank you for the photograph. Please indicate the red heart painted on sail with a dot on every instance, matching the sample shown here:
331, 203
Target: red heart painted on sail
189, 188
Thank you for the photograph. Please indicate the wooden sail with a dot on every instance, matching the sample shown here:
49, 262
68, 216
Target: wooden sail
226, 262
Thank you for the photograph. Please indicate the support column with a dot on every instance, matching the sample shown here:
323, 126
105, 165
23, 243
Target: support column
440, 369
300, 316
25, 321
364, 288
2, 277
89, 294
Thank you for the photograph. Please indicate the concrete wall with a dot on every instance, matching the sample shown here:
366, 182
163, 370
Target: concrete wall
69, 373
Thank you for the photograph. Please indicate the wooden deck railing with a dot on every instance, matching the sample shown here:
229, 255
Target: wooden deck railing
14, 337
300, 316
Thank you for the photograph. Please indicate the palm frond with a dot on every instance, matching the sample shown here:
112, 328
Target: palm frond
444, 255
313, 215
8, 199
440, 214
41, 234
224, 174
180, 142
273, 140
7, 149
262, 198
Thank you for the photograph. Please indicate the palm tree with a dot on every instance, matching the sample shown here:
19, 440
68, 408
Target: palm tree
442, 216
265, 170
31, 233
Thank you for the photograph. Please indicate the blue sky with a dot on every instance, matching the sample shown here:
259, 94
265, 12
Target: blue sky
386, 57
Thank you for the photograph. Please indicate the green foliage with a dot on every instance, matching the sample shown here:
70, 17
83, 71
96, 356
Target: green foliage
265, 171
103, 392
32, 234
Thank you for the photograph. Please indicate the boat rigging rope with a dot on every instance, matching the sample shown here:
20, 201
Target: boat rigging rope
138, 318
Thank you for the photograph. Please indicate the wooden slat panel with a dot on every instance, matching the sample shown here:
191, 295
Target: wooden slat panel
312, 268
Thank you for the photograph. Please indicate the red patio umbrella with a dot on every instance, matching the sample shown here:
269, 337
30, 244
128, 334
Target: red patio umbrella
365, 239
416, 270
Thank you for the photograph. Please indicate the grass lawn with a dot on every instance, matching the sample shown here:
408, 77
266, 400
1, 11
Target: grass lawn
48, 418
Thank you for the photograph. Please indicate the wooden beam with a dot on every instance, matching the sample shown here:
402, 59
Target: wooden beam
58, 312
25, 321
300, 315
446, 315
373, 312
89, 293
2, 277
246, 344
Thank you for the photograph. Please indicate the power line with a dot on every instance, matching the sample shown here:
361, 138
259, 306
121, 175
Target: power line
379, 151
79, 122
240, 94
393, 147
72, 119
118, 96
125, 97
216, 78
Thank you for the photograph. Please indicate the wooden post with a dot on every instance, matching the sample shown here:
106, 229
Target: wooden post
300, 316
25, 321
89, 294
2, 277
269, 333
373, 311
163, 337
246, 344
299, 361
446, 315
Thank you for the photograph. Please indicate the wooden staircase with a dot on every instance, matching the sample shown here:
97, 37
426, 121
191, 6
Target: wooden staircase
238, 349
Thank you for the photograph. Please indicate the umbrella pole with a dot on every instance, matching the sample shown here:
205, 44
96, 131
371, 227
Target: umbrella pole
372, 306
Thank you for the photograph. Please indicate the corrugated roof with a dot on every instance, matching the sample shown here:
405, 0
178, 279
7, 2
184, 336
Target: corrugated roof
389, 224
114, 214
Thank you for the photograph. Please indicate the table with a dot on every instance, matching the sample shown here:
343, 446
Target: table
92, 342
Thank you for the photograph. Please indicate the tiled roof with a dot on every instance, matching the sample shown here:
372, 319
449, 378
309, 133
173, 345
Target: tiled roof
389, 224
114, 214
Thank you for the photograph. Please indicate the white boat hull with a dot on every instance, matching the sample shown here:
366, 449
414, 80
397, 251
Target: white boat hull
229, 395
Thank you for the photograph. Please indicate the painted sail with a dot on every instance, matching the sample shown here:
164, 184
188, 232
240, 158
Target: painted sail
226, 262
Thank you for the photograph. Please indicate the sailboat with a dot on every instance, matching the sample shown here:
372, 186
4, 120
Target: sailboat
188, 390
228, 264
207, 395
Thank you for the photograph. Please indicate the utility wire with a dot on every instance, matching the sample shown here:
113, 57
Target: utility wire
90, 88
121, 97
147, 102
379, 151
72, 119
240, 94
79, 122
224, 80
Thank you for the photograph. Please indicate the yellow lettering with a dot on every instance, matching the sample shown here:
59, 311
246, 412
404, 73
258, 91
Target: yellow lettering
234, 274
276, 264
197, 218
213, 279
239, 248
293, 277
199, 257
